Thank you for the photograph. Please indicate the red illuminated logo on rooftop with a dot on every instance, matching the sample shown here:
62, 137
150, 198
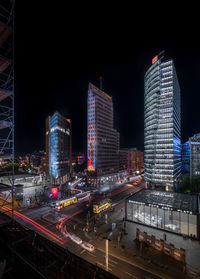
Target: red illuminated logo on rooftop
154, 59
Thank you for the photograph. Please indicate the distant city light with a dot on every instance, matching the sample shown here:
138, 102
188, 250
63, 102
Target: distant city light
54, 191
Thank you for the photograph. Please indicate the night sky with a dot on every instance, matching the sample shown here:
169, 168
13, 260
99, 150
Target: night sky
59, 49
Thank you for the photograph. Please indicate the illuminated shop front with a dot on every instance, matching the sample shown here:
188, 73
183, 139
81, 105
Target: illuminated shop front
174, 212
162, 124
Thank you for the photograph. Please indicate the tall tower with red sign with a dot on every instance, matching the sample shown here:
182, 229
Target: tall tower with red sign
162, 124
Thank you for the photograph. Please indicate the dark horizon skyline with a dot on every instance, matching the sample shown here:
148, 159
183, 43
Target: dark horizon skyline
55, 60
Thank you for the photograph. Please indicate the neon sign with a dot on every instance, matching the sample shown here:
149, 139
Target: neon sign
54, 192
91, 131
154, 59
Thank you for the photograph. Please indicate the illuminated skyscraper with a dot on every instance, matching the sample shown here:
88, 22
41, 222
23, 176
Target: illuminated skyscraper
162, 123
102, 138
194, 145
58, 147
185, 154
47, 120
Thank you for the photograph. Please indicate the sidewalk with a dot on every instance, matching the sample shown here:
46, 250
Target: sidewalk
123, 246
129, 250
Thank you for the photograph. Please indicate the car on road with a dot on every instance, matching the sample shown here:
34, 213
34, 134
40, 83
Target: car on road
76, 239
58, 226
52, 204
87, 246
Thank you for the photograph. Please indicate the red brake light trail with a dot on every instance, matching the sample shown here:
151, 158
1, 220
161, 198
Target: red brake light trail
37, 225
67, 218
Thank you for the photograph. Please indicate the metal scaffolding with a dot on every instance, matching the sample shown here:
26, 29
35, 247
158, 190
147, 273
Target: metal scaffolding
7, 97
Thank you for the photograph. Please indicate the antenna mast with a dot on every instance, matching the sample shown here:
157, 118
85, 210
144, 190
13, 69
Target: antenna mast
100, 79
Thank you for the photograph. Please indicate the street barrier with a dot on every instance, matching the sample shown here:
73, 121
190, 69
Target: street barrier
168, 249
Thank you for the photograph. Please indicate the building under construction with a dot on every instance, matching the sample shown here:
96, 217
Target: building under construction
6, 89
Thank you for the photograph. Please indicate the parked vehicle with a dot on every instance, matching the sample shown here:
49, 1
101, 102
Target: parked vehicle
87, 246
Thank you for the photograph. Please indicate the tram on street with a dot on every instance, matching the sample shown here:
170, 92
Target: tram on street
63, 203
101, 206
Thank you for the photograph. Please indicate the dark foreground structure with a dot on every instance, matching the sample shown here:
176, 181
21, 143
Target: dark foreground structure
175, 212
24, 252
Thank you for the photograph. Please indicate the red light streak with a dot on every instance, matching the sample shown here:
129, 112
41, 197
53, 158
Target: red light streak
37, 225
68, 219
72, 215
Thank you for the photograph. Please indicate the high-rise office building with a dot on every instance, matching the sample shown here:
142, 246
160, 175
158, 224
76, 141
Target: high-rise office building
102, 138
47, 133
185, 157
58, 148
131, 159
194, 144
162, 124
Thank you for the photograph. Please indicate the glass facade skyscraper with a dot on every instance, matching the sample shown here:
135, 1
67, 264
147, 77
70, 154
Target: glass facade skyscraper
102, 138
194, 143
185, 152
58, 143
162, 123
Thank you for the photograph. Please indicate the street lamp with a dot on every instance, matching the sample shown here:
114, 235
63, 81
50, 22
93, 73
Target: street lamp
106, 239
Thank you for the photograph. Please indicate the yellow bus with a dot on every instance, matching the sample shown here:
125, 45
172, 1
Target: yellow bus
101, 206
66, 202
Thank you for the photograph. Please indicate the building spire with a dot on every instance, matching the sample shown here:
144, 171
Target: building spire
100, 79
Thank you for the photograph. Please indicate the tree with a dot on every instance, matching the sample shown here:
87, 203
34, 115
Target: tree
190, 185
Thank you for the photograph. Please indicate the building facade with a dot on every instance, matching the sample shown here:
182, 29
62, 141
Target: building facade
47, 134
58, 148
194, 143
78, 159
185, 154
169, 211
102, 138
131, 159
162, 124
123, 159
135, 160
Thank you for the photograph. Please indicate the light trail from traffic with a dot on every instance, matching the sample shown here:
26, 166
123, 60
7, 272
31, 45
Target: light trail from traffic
35, 224
86, 197
74, 238
115, 192
67, 218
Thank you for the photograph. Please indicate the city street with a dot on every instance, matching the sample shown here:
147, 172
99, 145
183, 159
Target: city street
99, 143
45, 220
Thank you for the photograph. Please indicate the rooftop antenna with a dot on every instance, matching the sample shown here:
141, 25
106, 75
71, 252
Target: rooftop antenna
100, 79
